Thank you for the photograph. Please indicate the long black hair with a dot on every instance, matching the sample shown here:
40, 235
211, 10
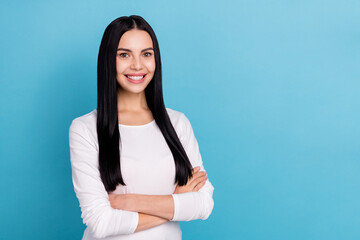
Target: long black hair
107, 111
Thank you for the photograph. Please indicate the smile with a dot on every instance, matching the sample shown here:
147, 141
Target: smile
135, 78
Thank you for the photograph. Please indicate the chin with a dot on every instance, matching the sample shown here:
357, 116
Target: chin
133, 89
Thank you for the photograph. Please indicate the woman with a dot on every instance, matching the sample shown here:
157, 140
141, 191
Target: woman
136, 166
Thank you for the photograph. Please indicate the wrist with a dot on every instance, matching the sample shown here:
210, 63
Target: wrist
129, 200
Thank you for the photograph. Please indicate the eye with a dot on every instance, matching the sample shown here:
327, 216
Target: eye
149, 54
122, 54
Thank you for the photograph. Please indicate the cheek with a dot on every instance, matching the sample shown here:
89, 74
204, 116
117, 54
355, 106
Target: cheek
151, 65
120, 66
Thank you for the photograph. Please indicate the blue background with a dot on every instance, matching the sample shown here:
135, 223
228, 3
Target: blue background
270, 87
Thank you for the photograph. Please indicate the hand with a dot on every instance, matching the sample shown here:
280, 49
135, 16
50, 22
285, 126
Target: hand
195, 183
117, 201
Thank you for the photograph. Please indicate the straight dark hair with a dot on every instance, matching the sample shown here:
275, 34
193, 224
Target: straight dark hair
107, 109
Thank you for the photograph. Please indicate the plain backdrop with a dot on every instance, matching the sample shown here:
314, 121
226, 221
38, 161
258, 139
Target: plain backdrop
271, 89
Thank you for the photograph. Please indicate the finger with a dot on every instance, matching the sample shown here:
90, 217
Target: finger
196, 176
199, 174
195, 169
196, 181
200, 185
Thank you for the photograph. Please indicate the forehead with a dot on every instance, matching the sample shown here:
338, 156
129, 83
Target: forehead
135, 39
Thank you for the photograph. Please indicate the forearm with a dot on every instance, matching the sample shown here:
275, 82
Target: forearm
148, 221
157, 205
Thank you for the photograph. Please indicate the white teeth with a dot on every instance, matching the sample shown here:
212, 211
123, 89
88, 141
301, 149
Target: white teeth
135, 77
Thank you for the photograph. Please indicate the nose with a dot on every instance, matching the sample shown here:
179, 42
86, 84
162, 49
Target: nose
136, 63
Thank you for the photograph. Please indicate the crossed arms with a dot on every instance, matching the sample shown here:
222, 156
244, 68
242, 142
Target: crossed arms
156, 209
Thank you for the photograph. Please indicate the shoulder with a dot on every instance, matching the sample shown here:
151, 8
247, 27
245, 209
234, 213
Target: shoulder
88, 119
174, 114
179, 121
177, 118
85, 124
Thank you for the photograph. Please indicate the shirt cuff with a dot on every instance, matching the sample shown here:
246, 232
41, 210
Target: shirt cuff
176, 207
186, 206
134, 220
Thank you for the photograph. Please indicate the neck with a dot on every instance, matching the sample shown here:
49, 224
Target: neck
133, 102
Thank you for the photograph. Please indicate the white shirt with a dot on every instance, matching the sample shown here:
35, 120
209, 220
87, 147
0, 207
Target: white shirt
147, 167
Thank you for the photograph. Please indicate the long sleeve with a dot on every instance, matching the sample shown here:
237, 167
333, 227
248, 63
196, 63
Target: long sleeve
96, 211
193, 205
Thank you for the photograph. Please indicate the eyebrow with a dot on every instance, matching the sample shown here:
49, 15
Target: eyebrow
128, 50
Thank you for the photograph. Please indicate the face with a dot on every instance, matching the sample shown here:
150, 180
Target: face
135, 61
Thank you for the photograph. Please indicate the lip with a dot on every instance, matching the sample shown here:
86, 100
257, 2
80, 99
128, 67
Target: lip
135, 74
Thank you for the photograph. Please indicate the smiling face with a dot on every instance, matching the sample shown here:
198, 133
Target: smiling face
135, 61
